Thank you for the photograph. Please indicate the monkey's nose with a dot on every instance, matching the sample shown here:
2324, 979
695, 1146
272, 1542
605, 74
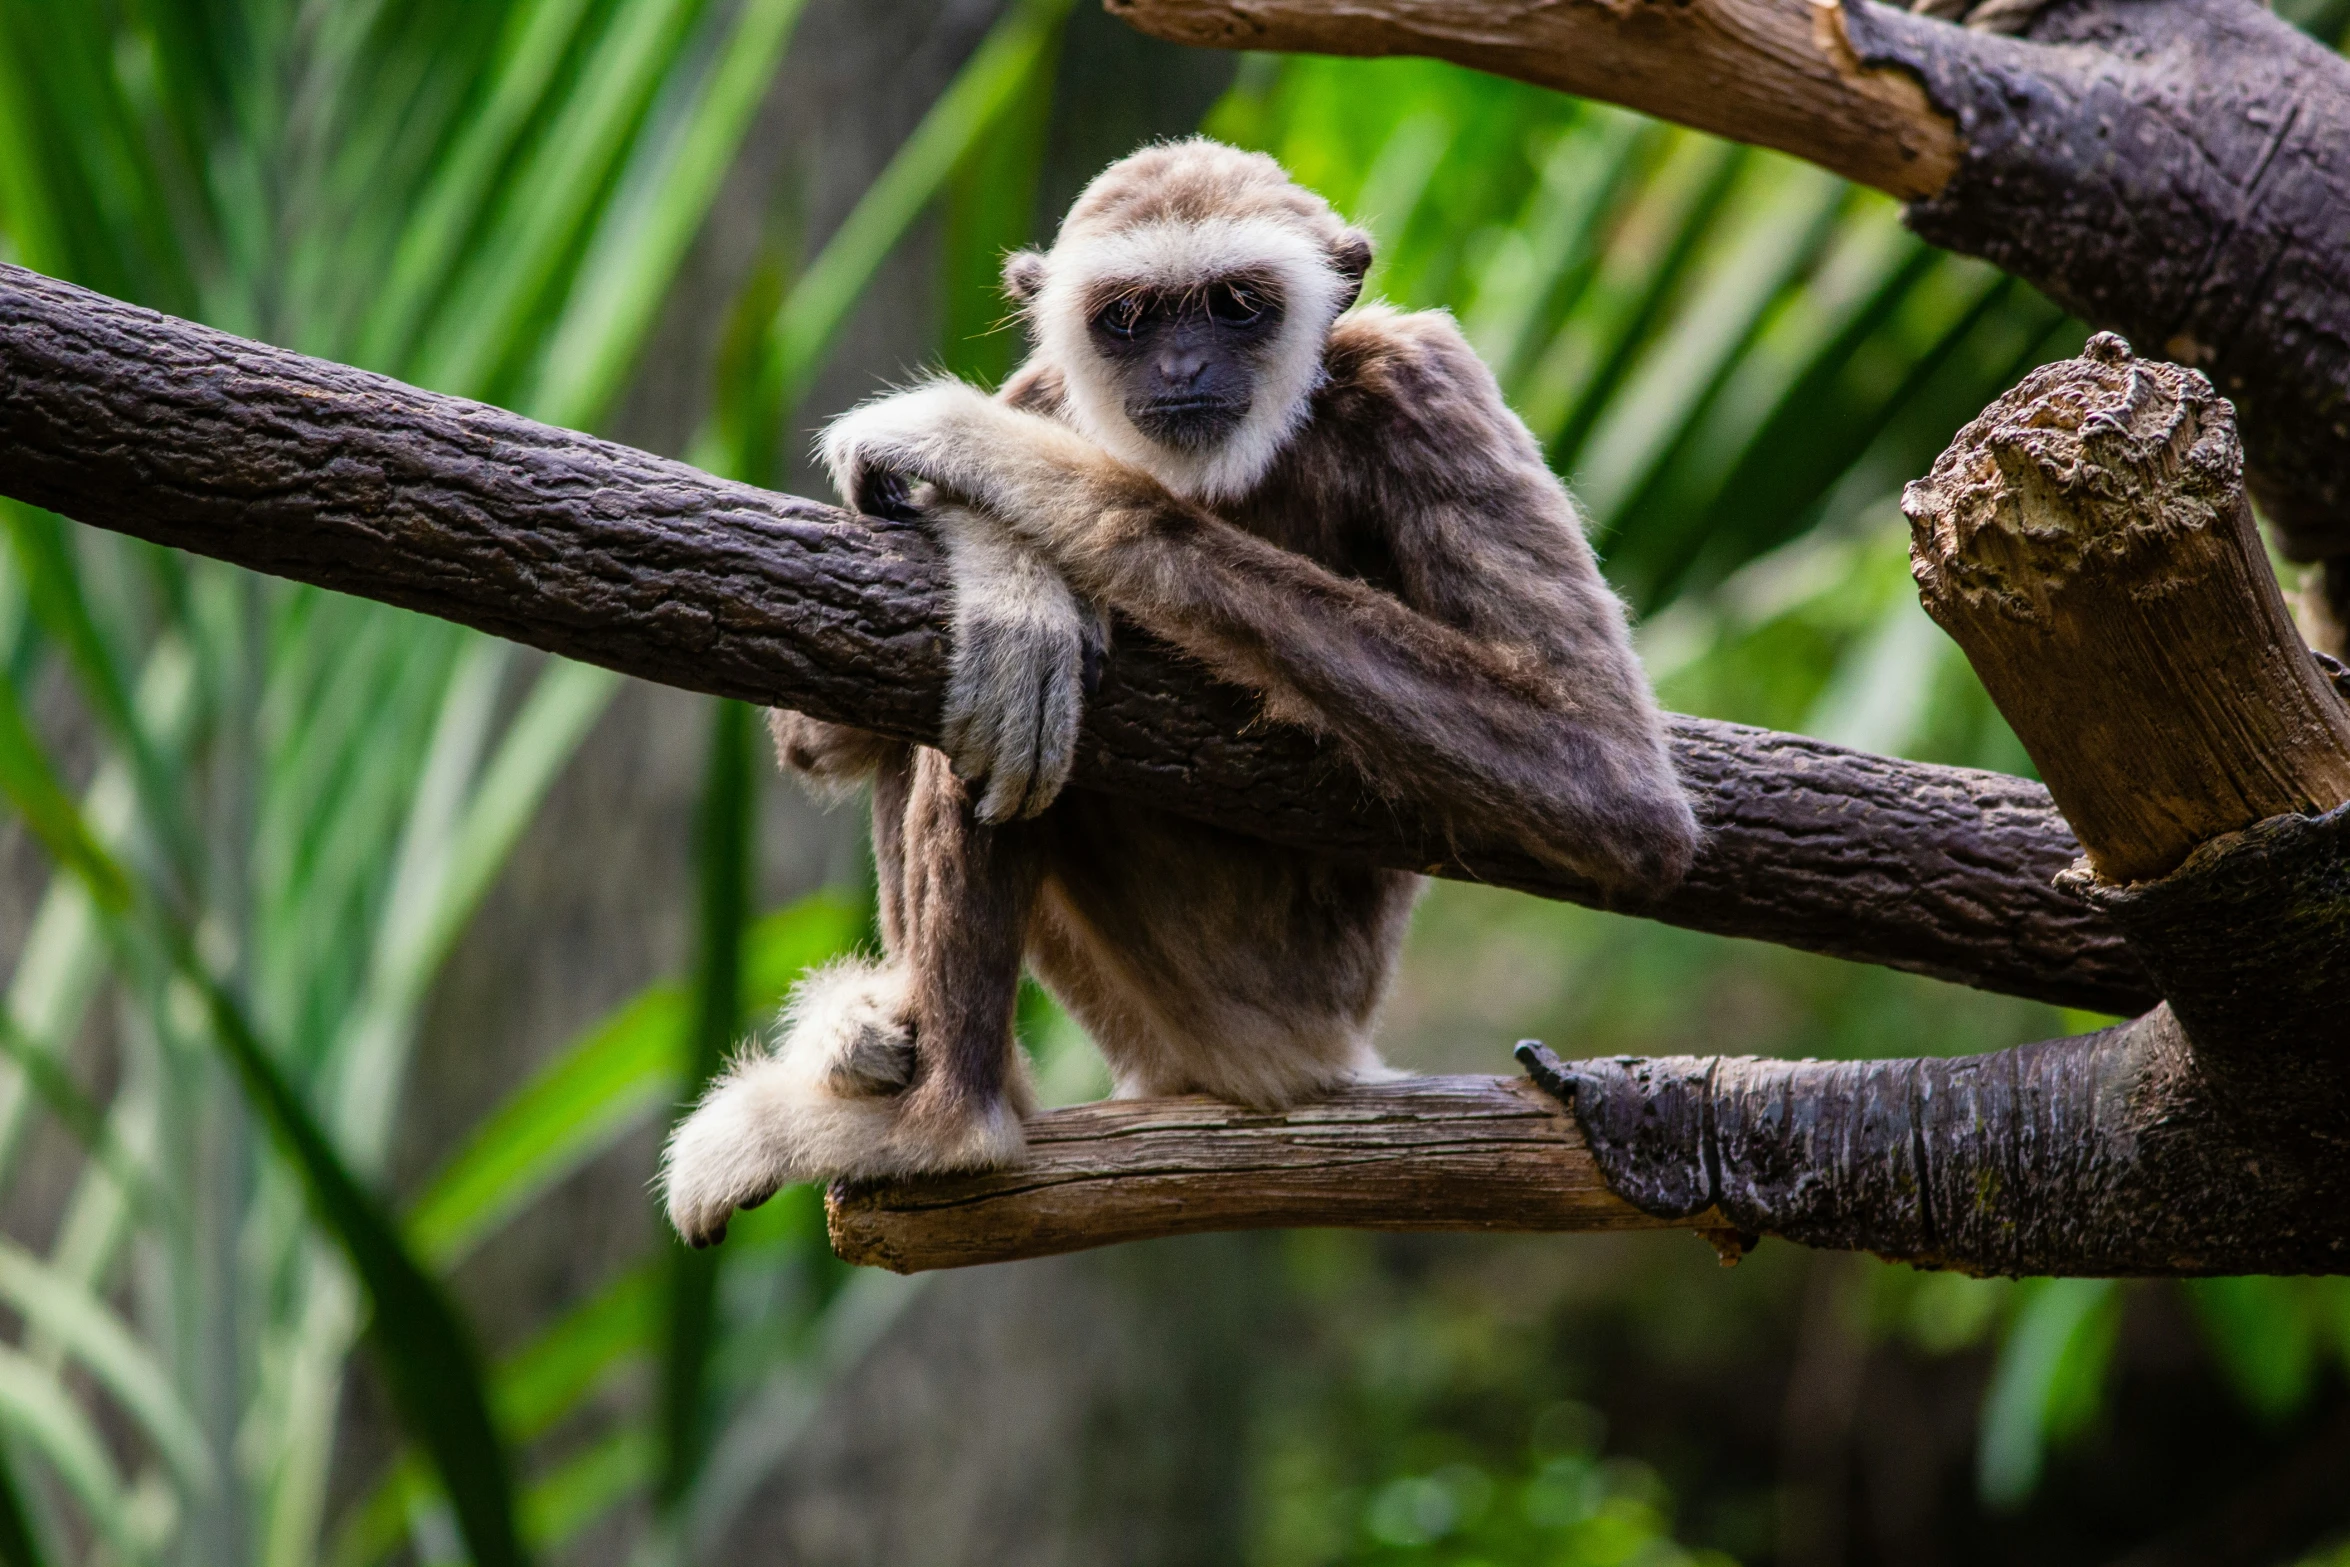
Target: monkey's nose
1183, 373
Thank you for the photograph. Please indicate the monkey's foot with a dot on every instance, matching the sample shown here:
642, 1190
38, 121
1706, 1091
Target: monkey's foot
831, 1101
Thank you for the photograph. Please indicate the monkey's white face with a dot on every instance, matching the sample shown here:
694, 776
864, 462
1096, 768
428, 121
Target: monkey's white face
1190, 350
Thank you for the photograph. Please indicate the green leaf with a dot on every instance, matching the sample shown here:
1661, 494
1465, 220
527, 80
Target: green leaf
534, 1389
82, 1117
537, 36
603, 1086
40, 1413
635, 255
456, 842
2265, 1333
30, 783
428, 1356
44, 551
545, 1381
472, 344
579, 1491
740, 441
89, 1331
2046, 1384
19, 1546
726, 844
612, 1079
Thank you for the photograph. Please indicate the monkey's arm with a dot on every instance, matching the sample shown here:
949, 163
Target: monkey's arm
1513, 731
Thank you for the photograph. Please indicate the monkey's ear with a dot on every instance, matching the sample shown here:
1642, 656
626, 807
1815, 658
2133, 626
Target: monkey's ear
1350, 255
1023, 275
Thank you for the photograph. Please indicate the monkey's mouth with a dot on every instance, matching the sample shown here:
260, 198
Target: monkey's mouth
1188, 421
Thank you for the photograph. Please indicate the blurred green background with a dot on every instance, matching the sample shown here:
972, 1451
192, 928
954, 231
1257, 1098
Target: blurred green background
358, 963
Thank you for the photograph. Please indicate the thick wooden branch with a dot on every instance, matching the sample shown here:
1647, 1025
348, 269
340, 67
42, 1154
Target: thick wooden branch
186, 436
1772, 72
2169, 169
1430, 1153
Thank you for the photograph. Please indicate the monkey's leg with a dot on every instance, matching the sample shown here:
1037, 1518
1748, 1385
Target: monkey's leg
893, 1067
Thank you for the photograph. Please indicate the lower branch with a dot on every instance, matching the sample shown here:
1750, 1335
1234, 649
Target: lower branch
2105, 1154
1431, 1153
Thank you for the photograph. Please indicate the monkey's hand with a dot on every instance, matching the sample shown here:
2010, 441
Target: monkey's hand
1043, 480
1026, 654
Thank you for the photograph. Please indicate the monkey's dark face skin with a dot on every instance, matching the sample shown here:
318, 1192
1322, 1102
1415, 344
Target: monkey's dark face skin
1188, 364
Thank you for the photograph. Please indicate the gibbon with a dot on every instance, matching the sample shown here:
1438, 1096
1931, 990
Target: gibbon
1327, 503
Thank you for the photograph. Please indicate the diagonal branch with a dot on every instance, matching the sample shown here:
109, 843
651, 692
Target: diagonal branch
190, 437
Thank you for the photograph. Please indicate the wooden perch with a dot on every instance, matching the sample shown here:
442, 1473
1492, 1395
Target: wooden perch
2088, 543
1429, 1153
186, 436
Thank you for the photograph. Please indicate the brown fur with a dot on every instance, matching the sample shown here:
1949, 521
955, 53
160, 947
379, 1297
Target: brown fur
1406, 578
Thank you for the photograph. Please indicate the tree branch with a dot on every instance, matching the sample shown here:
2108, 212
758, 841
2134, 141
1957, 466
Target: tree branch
1771, 72
2086, 541
1434, 1153
190, 437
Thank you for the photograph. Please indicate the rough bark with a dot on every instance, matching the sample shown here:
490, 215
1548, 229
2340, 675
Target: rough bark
2089, 533
1432, 1153
2202, 1140
185, 436
2175, 170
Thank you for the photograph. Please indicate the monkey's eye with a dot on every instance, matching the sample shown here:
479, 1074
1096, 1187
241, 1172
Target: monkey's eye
1236, 304
1122, 318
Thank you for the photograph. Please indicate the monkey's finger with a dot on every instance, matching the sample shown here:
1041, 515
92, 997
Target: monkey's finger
884, 492
1011, 748
1006, 798
1061, 711
974, 710
1036, 791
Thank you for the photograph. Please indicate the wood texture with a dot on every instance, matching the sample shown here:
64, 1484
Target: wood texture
1774, 72
131, 420
1429, 1153
2087, 541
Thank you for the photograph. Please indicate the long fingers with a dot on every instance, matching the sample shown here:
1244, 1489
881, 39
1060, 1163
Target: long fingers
1016, 682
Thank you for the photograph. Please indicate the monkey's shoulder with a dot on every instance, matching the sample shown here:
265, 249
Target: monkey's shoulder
1406, 389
